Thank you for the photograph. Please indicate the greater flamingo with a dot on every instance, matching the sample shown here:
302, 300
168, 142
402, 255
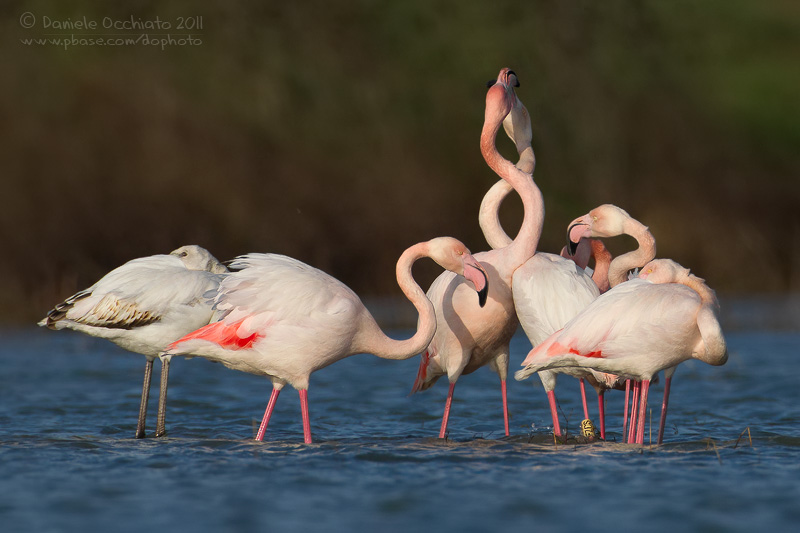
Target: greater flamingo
637, 329
468, 338
284, 319
610, 221
548, 290
143, 306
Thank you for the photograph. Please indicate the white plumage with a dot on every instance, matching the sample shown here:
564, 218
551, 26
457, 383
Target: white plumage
144, 305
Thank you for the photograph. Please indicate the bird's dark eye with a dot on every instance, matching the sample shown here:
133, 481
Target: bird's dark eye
184, 253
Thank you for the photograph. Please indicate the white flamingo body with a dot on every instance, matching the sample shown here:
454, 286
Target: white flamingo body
283, 319
143, 306
637, 329
298, 319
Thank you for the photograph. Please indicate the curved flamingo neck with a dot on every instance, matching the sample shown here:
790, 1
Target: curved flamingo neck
618, 270
385, 347
524, 245
489, 213
707, 295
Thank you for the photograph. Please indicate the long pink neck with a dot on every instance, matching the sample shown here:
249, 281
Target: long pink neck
489, 214
524, 245
618, 270
378, 343
602, 263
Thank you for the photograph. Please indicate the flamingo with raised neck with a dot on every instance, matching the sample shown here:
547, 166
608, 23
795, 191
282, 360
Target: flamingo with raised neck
468, 338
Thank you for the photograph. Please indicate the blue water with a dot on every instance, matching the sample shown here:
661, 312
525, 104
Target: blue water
68, 461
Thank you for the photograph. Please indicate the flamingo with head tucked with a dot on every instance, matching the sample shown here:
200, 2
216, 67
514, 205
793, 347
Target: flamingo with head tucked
468, 338
637, 329
284, 319
143, 306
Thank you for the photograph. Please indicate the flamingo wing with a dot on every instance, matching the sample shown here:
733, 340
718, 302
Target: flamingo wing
138, 293
273, 295
635, 319
549, 291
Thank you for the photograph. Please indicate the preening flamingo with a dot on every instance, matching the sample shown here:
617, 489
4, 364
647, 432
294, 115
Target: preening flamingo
548, 290
637, 329
143, 306
284, 319
468, 338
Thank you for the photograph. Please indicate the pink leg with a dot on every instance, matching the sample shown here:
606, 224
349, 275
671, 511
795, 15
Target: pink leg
634, 411
625, 411
601, 407
583, 398
551, 396
664, 405
267, 414
446, 416
642, 412
304, 411
505, 404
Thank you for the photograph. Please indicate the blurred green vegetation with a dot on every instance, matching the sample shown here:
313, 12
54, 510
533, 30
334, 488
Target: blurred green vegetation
341, 134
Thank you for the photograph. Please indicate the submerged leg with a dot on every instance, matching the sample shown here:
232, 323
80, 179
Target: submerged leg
267, 414
625, 411
306, 421
601, 407
505, 404
148, 375
446, 415
664, 406
642, 412
161, 423
551, 397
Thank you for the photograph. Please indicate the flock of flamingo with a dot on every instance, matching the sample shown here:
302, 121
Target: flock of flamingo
275, 316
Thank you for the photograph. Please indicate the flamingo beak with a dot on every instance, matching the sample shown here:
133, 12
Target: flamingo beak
572, 246
474, 272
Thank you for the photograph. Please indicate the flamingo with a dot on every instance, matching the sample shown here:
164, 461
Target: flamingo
284, 319
643, 326
143, 306
548, 290
609, 220
468, 338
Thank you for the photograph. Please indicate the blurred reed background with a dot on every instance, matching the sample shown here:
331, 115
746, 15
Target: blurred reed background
341, 134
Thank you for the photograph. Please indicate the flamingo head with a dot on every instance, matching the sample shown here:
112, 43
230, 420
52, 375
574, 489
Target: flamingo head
198, 258
453, 255
500, 98
663, 271
605, 221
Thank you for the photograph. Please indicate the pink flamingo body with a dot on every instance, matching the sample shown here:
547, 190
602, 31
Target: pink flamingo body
468, 338
637, 329
143, 306
284, 319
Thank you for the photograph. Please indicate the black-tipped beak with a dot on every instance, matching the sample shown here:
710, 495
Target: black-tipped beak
490, 83
573, 246
483, 294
